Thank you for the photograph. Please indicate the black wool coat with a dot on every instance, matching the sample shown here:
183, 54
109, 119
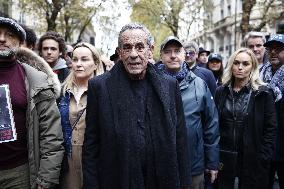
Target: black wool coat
259, 136
279, 151
109, 157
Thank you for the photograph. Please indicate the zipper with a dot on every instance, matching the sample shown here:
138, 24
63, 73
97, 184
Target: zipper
234, 127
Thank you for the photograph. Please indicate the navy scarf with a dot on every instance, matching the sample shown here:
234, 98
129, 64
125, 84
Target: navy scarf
180, 75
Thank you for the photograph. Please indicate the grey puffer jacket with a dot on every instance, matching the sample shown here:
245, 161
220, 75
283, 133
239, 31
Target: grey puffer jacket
45, 139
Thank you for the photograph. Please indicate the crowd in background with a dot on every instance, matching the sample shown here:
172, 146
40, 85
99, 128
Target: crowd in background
188, 120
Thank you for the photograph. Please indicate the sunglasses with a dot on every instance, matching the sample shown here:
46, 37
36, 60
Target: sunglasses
190, 53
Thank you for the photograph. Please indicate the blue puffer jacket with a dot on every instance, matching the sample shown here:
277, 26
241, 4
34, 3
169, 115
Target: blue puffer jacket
202, 124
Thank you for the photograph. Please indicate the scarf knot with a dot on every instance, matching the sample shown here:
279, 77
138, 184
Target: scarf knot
180, 75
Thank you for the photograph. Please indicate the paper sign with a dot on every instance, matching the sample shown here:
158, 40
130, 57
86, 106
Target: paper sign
7, 124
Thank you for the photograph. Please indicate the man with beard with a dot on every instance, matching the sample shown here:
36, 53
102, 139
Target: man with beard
273, 74
135, 135
33, 160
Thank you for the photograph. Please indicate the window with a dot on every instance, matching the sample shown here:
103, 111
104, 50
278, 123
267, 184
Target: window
4, 8
92, 40
229, 10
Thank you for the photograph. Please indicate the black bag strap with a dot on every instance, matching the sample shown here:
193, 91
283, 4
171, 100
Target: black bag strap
77, 119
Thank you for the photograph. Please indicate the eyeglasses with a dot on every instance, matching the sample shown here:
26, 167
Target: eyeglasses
190, 53
277, 49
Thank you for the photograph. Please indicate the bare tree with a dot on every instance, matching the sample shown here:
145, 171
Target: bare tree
50, 8
269, 11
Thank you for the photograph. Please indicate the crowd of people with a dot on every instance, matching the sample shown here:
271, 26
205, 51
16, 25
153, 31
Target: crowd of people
188, 120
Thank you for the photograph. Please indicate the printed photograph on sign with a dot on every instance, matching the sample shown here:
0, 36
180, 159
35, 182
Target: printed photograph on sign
7, 124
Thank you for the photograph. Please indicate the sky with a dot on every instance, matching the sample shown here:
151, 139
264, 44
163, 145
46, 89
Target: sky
108, 41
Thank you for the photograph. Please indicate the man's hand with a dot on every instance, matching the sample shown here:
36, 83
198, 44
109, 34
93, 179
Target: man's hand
213, 174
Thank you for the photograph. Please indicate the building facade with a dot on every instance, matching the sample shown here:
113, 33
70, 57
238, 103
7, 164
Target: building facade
218, 30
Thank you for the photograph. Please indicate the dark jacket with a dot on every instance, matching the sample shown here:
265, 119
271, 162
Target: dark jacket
62, 74
279, 151
200, 64
109, 158
207, 76
201, 118
258, 138
61, 69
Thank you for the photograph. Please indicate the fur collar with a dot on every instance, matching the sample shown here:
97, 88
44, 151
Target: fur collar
29, 57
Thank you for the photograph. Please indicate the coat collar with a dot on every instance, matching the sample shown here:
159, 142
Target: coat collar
34, 63
118, 83
188, 79
153, 75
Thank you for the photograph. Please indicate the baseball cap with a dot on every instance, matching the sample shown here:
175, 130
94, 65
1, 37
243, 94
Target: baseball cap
170, 39
215, 56
20, 32
274, 38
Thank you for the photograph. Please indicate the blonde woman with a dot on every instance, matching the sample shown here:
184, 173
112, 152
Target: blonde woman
248, 122
86, 63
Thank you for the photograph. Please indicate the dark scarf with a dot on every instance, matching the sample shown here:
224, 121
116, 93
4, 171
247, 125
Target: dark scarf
157, 120
276, 81
180, 75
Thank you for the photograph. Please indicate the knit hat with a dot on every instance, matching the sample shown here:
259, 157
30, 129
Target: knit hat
12, 24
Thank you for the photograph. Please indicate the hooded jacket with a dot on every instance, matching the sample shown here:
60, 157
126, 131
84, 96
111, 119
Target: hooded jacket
45, 149
202, 124
61, 69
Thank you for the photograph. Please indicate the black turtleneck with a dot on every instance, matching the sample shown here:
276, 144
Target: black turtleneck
15, 153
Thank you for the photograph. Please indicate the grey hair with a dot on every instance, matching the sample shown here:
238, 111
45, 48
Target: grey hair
132, 26
254, 34
191, 44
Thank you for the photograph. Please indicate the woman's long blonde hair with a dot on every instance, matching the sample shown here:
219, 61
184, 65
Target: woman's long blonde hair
254, 78
71, 80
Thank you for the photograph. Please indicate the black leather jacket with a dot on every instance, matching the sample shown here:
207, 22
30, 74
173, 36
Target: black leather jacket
259, 130
233, 116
